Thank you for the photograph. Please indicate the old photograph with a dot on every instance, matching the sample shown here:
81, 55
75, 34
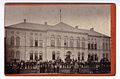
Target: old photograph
57, 39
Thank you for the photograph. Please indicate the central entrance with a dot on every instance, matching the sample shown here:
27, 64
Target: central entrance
68, 57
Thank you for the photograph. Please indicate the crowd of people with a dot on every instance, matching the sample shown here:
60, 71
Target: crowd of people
58, 66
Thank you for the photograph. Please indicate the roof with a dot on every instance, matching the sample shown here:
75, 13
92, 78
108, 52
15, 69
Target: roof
58, 27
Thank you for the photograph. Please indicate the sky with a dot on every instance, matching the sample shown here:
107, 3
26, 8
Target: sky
83, 16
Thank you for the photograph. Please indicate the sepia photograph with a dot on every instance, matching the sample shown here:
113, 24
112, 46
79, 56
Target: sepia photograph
57, 39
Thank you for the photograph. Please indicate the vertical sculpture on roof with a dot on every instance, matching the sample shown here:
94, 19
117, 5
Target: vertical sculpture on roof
60, 15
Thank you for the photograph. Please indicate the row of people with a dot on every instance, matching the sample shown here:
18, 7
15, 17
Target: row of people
73, 66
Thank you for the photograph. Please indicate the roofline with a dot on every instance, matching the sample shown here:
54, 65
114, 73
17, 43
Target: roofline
55, 30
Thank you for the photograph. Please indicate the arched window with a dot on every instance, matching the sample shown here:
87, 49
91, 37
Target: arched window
36, 42
41, 43
40, 56
88, 46
103, 55
83, 43
12, 56
53, 55
107, 55
40, 40
66, 41
31, 55
71, 42
52, 41
31, 41
17, 54
58, 41
95, 46
78, 42
17, 41
89, 57
96, 57
36, 55
58, 55
82, 56
79, 56
12, 41
103, 45
106, 46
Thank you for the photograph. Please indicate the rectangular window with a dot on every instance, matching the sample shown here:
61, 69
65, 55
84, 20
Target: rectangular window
83, 56
36, 56
92, 46
103, 55
83, 45
88, 46
106, 46
79, 56
107, 55
40, 56
95, 46
31, 42
53, 56
96, 57
58, 55
40, 43
17, 55
52, 43
36, 43
103, 45
31, 56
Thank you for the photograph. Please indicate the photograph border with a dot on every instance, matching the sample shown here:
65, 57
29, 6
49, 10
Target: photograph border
112, 40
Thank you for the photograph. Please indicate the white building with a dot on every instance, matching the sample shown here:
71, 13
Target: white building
30, 41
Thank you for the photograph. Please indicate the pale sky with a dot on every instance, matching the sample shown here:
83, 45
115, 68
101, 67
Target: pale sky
84, 16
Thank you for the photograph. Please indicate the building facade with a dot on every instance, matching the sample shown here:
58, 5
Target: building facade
29, 41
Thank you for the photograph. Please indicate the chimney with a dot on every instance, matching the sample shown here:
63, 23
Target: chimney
91, 29
45, 23
24, 20
76, 27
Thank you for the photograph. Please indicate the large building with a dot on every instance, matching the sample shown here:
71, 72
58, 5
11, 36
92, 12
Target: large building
30, 41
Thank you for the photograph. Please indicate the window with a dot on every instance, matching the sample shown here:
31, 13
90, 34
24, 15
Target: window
40, 43
17, 41
31, 41
92, 57
36, 43
83, 43
58, 55
88, 46
107, 55
92, 46
58, 41
96, 46
31, 56
53, 55
103, 45
36, 33
79, 56
36, 55
40, 56
12, 54
17, 54
96, 57
89, 57
66, 41
103, 55
71, 42
78, 42
12, 41
83, 56
106, 46
52, 41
